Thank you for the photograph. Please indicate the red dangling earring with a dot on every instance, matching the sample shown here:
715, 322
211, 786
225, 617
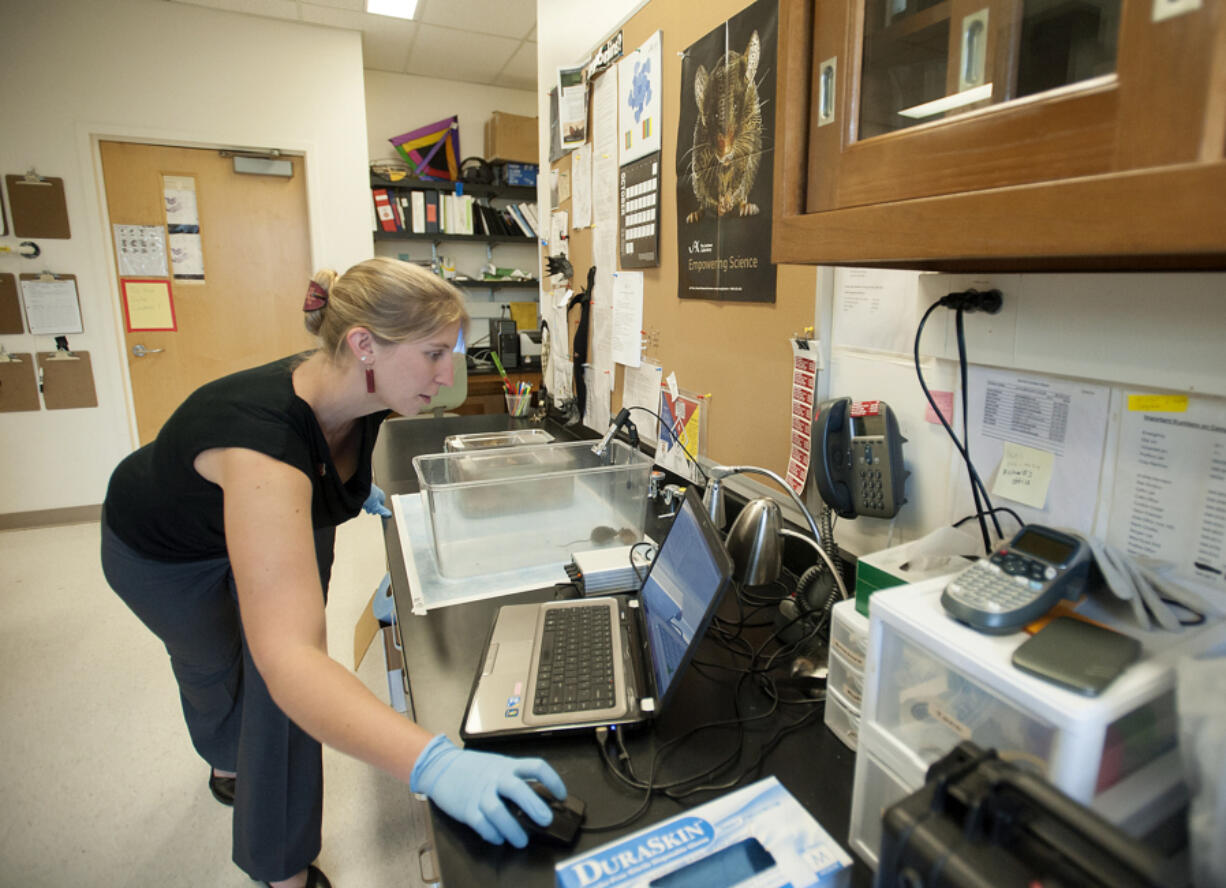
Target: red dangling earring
370, 376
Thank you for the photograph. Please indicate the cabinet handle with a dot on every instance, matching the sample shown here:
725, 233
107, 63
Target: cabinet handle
826, 83
974, 49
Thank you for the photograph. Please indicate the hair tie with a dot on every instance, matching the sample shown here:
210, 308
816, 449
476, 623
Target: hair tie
316, 297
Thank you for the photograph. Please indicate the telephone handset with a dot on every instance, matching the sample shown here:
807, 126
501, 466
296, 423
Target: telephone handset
856, 458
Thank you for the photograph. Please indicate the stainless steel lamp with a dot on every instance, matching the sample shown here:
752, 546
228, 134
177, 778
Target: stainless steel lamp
755, 544
754, 541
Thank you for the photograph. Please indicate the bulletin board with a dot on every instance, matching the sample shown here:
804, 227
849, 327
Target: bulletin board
737, 352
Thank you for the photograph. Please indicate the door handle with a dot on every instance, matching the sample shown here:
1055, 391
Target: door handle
140, 351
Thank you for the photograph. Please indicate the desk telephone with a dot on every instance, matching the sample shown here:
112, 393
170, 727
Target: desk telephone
856, 459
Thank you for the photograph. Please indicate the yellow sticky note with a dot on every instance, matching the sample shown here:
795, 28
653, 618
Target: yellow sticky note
148, 305
1024, 475
1157, 403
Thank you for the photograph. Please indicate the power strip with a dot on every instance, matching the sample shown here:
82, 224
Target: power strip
609, 571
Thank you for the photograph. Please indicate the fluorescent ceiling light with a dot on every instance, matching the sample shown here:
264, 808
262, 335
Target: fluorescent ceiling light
395, 8
948, 103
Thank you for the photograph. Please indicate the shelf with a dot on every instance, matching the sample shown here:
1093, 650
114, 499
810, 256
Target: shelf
439, 236
507, 192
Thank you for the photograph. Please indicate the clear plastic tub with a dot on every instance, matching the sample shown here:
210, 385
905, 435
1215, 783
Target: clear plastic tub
487, 440
495, 510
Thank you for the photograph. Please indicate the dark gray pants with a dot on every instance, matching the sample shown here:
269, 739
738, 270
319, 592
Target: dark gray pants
233, 722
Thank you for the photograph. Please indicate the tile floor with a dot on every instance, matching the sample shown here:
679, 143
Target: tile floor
99, 782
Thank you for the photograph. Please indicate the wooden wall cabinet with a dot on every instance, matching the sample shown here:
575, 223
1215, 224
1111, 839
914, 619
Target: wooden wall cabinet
1082, 134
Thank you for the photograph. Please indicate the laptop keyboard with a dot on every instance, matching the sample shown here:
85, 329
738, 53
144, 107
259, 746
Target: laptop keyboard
576, 661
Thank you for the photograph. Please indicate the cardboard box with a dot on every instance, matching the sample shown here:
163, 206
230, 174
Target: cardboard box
758, 835
511, 137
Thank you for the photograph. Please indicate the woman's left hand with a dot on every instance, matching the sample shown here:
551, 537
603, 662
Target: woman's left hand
374, 503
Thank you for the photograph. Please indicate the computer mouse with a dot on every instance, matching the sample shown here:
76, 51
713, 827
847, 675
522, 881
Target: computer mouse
568, 816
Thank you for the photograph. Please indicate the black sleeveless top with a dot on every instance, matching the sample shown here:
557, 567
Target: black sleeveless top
159, 505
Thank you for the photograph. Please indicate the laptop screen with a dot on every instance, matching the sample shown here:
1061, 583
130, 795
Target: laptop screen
682, 588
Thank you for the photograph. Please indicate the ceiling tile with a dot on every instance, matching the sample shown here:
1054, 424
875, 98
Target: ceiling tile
502, 18
387, 50
354, 5
458, 55
280, 9
333, 17
520, 72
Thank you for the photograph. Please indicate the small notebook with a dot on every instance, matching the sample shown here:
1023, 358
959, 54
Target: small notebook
629, 658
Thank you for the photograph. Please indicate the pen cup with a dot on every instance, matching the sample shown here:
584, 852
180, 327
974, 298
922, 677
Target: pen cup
517, 404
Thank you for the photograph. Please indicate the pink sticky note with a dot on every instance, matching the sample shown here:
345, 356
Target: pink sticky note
945, 401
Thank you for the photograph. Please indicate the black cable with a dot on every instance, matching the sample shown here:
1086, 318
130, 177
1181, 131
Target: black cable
966, 431
663, 424
641, 577
937, 410
962, 372
1016, 517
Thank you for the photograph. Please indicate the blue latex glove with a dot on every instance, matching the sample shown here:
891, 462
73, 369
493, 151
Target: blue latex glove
470, 786
374, 503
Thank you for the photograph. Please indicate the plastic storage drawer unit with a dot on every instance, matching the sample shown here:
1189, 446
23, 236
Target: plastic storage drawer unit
849, 633
931, 683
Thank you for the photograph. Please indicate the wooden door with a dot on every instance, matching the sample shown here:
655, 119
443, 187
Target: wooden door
256, 263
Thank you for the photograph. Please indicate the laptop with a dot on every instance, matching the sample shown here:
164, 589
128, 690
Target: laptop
633, 649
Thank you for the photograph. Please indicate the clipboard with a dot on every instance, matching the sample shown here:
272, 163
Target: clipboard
53, 318
66, 379
38, 206
18, 384
10, 306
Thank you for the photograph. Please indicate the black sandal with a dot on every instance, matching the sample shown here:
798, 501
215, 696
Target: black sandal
222, 788
315, 879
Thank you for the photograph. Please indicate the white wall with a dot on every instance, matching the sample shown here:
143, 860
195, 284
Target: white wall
397, 103
146, 70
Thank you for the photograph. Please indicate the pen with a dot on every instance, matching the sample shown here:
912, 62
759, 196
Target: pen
506, 384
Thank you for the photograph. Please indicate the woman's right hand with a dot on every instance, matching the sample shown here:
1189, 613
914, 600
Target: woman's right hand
472, 786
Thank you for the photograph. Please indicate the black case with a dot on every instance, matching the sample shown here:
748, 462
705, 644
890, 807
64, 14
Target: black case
979, 822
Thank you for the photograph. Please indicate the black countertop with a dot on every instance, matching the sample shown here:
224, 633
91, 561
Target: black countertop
441, 652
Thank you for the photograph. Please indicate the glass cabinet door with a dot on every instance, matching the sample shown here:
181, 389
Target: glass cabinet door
922, 98
924, 60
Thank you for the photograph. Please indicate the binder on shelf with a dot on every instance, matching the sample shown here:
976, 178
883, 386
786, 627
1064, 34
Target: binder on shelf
383, 209
432, 210
468, 202
417, 211
529, 209
37, 206
518, 215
